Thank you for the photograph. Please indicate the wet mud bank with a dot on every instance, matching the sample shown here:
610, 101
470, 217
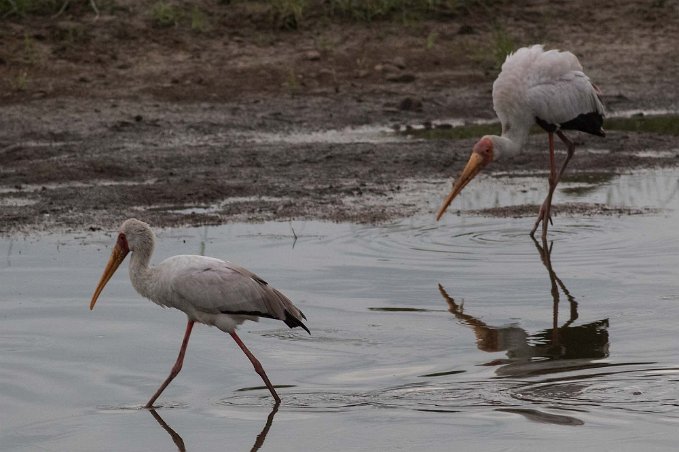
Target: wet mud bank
87, 165
185, 128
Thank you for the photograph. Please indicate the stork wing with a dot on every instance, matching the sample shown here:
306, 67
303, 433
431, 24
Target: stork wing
549, 85
564, 98
215, 286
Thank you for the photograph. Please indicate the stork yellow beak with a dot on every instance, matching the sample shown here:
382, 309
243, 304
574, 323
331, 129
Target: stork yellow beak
474, 165
117, 257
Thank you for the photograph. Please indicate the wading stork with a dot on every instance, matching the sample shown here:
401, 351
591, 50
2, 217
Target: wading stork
536, 86
209, 291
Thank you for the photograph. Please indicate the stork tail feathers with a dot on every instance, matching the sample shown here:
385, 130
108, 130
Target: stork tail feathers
292, 321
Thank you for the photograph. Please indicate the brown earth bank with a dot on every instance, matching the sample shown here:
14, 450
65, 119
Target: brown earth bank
103, 118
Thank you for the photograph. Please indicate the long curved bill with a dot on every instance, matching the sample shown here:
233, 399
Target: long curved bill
117, 257
471, 169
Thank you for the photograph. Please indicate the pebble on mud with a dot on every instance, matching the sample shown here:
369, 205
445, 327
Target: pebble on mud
399, 62
410, 104
312, 55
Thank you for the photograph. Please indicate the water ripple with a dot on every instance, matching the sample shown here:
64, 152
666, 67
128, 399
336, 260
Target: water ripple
635, 391
631, 390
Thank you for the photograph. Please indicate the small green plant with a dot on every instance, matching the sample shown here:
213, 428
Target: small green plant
658, 124
503, 45
30, 50
199, 20
26, 7
288, 14
20, 81
292, 82
431, 40
325, 44
165, 15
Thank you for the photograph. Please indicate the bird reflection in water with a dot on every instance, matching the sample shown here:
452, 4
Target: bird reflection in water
176, 437
557, 349
179, 442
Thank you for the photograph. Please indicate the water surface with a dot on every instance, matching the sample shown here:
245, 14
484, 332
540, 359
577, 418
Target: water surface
424, 335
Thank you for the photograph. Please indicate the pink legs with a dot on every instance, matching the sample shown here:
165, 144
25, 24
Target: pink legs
545, 210
177, 365
180, 360
258, 367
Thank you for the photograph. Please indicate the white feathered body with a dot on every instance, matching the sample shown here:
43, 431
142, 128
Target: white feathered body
212, 291
546, 85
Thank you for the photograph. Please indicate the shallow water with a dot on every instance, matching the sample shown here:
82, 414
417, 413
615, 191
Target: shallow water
424, 335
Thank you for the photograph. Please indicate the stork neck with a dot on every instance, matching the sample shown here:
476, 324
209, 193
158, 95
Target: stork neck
510, 143
140, 271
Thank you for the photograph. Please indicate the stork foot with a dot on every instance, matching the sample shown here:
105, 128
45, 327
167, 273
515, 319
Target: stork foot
544, 217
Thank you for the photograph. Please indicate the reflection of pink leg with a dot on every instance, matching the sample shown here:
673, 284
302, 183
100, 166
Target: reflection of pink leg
258, 367
177, 365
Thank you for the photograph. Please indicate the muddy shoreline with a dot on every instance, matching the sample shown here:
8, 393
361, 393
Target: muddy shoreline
204, 142
195, 164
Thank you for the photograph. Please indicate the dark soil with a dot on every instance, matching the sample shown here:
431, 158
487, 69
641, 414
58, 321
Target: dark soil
110, 118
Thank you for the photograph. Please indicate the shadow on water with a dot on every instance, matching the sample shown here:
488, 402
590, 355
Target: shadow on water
179, 441
559, 348
543, 418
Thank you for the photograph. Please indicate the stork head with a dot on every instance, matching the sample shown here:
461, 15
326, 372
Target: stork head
483, 153
133, 235
138, 235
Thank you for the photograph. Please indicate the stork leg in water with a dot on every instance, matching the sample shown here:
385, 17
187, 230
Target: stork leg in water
545, 216
177, 365
180, 361
258, 366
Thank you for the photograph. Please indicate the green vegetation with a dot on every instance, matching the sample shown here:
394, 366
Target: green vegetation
281, 14
370, 10
290, 14
199, 20
164, 14
287, 14
292, 82
593, 177
456, 133
324, 44
661, 124
30, 51
431, 40
492, 54
29, 7
589, 181
503, 45
53, 8
20, 82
